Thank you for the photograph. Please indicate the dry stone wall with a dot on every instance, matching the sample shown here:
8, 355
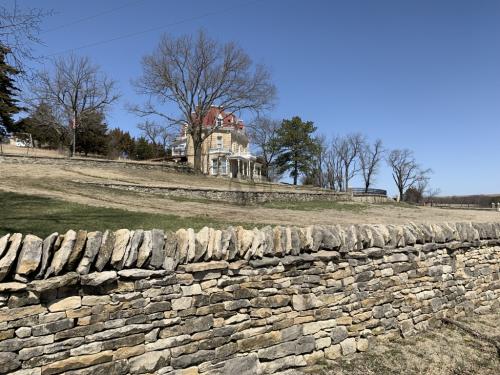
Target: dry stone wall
233, 301
98, 163
252, 195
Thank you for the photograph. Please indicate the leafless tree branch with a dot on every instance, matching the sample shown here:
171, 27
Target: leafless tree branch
196, 73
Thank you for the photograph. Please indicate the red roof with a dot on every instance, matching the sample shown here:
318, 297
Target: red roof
229, 120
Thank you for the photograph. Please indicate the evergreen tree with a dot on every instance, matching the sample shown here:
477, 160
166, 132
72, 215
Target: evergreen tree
121, 144
143, 149
9, 104
92, 134
297, 147
39, 124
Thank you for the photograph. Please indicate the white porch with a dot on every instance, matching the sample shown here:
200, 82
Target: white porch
237, 166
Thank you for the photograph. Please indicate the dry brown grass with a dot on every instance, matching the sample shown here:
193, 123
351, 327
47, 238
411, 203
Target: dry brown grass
68, 183
446, 351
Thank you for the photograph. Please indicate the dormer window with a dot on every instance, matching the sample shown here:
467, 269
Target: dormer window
218, 121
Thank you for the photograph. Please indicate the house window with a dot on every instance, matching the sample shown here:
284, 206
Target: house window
214, 166
220, 143
223, 166
218, 122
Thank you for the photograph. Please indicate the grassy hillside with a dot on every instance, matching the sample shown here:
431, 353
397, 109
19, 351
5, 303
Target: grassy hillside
42, 216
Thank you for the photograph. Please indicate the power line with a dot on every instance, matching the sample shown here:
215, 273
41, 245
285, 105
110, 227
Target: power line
126, 36
80, 20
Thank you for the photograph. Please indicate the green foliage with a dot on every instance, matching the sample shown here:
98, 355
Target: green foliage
413, 195
9, 104
295, 140
39, 124
120, 144
91, 134
144, 150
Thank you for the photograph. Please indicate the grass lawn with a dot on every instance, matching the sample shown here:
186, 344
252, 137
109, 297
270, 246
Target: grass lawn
41, 216
318, 206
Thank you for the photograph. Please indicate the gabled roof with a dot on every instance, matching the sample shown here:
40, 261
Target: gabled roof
229, 120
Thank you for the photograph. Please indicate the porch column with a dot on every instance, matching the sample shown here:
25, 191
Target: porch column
218, 165
239, 168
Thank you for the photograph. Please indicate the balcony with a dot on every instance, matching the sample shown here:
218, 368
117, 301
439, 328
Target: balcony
219, 150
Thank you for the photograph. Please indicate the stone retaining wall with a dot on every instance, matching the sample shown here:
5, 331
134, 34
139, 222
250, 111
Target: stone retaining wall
45, 160
254, 194
234, 301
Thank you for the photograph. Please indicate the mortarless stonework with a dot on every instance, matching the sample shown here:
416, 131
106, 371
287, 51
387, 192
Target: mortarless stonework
234, 301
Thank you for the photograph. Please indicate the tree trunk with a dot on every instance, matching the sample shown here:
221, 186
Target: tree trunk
346, 187
197, 157
295, 173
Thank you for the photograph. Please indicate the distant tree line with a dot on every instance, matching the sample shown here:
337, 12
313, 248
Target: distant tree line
293, 147
473, 200
93, 136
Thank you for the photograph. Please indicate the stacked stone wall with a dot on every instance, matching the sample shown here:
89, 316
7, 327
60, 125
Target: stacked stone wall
234, 301
98, 163
242, 194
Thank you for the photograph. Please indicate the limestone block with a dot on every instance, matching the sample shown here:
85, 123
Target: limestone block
339, 334
4, 240
333, 352
78, 362
135, 242
62, 254
157, 248
92, 246
8, 259
145, 249
191, 245
348, 346
105, 251
118, 256
64, 304
30, 255
301, 302
47, 249
98, 278
201, 243
77, 252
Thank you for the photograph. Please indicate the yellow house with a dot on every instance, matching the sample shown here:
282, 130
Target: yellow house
225, 152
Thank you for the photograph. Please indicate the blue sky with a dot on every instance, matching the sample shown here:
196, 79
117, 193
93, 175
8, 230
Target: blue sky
423, 74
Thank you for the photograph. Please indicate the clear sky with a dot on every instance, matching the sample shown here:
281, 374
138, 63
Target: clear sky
422, 74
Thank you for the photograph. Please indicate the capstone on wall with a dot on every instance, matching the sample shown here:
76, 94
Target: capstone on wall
233, 301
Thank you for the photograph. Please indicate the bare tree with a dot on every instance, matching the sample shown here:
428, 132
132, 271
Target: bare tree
197, 73
406, 172
347, 149
370, 157
19, 29
157, 134
318, 173
263, 133
75, 88
334, 175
